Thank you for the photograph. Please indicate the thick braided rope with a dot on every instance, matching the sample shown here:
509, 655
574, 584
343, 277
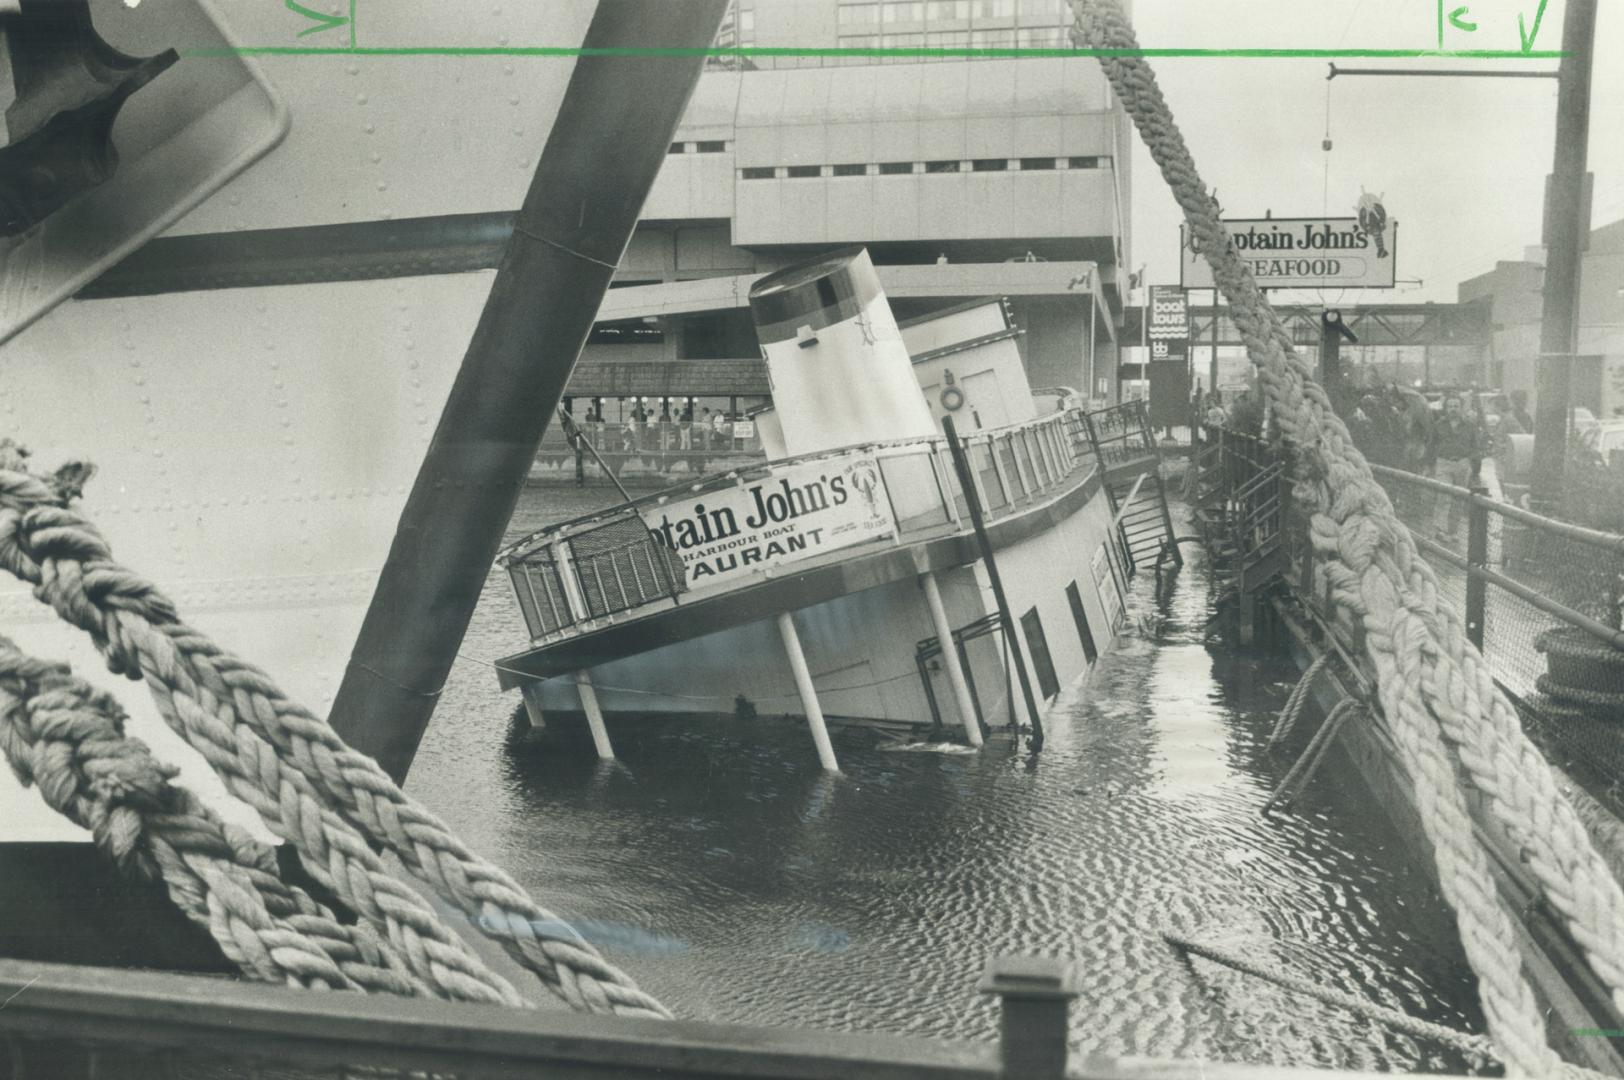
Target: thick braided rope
292, 767
1431, 683
68, 738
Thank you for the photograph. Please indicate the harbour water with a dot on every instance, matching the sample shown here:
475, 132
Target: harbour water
734, 880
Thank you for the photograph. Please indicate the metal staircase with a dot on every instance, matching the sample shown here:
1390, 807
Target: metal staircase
1131, 472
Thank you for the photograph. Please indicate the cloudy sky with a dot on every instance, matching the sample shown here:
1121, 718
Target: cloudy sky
1461, 162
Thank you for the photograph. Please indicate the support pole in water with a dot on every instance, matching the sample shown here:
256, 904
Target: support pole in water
605, 149
531, 692
594, 715
950, 658
961, 465
809, 693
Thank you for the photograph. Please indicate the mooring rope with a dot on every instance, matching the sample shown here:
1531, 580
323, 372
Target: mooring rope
1434, 689
1475, 1046
1302, 770
311, 789
66, 737
1295, 702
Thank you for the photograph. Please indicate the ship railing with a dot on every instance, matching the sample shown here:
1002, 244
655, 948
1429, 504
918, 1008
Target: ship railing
580, 575
66, 1022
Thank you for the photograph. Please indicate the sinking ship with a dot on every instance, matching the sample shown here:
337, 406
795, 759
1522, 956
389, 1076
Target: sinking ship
927, 535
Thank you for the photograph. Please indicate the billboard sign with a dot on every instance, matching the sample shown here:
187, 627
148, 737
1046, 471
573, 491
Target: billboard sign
1169, 318
795, 512
1303, 253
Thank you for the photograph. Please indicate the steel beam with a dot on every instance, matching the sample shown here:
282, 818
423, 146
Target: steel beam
606, 147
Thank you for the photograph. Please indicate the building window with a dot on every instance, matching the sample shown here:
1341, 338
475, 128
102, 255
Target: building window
1080, 617
992, 39
1037, 647
677, 148
1042, 37
1035, 164
712, 146
896, 168
907, 11
1044, 11
941, 166
858, 15
851, 170
1084, 163
948, 10
990, 165
760, 172
994, 9
802, 172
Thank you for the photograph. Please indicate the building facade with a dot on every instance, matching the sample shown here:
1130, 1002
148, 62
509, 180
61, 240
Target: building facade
963, 177
1515, 289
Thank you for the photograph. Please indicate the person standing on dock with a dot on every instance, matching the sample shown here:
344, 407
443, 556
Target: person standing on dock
1456, 442
685, 426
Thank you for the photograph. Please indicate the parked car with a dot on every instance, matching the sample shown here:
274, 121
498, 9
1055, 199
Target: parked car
1606, 441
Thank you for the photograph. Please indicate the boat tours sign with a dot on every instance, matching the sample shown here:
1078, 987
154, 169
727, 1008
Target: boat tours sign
1169, 318
795, 512
1303, 253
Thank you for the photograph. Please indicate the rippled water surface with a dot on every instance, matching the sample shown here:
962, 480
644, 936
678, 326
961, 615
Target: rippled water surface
736, 882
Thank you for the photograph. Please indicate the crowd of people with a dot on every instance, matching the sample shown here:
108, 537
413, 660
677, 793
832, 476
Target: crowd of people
642, 430
1399, 428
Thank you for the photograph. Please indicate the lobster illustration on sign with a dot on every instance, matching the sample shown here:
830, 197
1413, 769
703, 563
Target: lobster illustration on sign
865, 478
1373, 219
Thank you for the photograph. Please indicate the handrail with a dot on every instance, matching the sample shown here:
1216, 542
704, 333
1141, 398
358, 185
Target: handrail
1610, 542
1555, 608
86, 1008
923, 444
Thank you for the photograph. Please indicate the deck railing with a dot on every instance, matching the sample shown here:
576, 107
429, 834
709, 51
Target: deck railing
576, 576
72, 1023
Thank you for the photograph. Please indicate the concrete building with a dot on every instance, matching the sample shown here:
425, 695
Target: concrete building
1515, 291
964, 179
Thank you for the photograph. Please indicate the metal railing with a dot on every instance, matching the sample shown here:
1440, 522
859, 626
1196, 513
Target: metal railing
571, 576
1542, 599
63, 1022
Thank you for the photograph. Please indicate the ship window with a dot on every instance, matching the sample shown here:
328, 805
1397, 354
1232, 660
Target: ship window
711, 146
1083, 162
1037, 647
801, 172
1030, 164
851, 170
941, 166
990, 164
760, 172
895, 168
1090, 650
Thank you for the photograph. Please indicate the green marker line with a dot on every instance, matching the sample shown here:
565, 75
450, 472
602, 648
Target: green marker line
352, 24
968, 54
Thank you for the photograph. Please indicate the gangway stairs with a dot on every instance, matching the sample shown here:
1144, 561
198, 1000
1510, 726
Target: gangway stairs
1130, 466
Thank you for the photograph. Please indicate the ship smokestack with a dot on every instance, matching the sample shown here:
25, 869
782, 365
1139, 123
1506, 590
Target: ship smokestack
840, 373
